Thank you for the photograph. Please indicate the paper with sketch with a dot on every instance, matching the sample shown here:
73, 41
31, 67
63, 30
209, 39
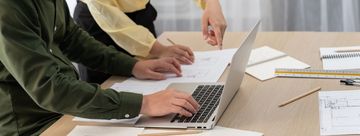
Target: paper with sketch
266, 70
120, 121
216, 131
208, 67
339, 112
105, 131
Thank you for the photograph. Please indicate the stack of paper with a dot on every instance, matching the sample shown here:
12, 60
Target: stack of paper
263, 62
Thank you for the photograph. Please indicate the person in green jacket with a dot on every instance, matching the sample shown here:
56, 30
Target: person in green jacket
38, 83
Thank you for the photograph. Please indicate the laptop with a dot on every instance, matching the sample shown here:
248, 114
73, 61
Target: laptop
213, 98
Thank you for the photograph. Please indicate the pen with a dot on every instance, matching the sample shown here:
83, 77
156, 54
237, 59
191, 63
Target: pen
185, 59
300, 96
172, 133
172, 42
347, 50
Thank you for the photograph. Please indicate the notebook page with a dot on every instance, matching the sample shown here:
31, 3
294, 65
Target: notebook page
352, 63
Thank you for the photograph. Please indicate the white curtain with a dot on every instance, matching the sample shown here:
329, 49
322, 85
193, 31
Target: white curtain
185, 15
310, 15
276, 15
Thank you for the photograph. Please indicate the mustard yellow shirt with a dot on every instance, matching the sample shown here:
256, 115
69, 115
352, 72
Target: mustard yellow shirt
110, 16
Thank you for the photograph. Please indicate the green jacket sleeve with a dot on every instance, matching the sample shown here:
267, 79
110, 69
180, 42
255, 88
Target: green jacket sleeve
80, 47
52, 84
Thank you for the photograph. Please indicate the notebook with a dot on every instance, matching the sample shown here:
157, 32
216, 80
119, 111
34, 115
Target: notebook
264, 60
333, 60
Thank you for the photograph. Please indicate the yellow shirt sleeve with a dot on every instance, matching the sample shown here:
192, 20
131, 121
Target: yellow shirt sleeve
201, 3
126, 5
110, 16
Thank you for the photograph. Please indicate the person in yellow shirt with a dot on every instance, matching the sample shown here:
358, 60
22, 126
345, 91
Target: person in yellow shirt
129, 25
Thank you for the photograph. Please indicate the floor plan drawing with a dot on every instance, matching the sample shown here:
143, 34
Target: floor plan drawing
339, 112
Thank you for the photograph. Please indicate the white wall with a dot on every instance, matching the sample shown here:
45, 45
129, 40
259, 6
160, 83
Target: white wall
185, 15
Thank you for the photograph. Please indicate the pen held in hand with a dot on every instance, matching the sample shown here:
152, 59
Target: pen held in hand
172, 42
184, 59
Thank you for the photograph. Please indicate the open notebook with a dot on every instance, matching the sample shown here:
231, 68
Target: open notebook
333, 60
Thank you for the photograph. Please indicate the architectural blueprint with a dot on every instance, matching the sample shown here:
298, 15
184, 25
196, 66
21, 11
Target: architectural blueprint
339, 112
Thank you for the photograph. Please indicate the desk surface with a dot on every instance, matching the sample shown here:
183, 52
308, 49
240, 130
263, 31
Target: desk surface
255, 106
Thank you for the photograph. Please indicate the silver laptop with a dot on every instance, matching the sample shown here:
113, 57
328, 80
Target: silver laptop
213, 98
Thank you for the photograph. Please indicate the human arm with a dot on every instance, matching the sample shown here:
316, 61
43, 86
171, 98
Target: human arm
180, 52
213, 22
135, 39
44, 74
39, 68
169, 101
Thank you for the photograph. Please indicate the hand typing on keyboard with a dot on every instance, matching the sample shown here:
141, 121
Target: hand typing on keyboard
169, 101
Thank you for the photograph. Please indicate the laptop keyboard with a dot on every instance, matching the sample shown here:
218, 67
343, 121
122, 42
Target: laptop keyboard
208, 97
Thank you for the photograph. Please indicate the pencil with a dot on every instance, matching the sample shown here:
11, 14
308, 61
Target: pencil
172, 42
348, 50
172, 133
300, 96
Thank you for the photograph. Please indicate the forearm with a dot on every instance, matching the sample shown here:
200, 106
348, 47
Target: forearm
135, 39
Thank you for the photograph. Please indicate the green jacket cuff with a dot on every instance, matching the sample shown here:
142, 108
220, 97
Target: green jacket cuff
132, 102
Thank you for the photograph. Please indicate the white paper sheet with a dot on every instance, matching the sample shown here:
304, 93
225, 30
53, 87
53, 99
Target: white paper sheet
263, 54
105, 131
121, 121
227, 54
339, 112
208, 67
216, 131
266, 70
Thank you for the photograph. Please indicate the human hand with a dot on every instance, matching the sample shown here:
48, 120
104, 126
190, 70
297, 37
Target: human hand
155, 68
169, 101
182, 53
214, 18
